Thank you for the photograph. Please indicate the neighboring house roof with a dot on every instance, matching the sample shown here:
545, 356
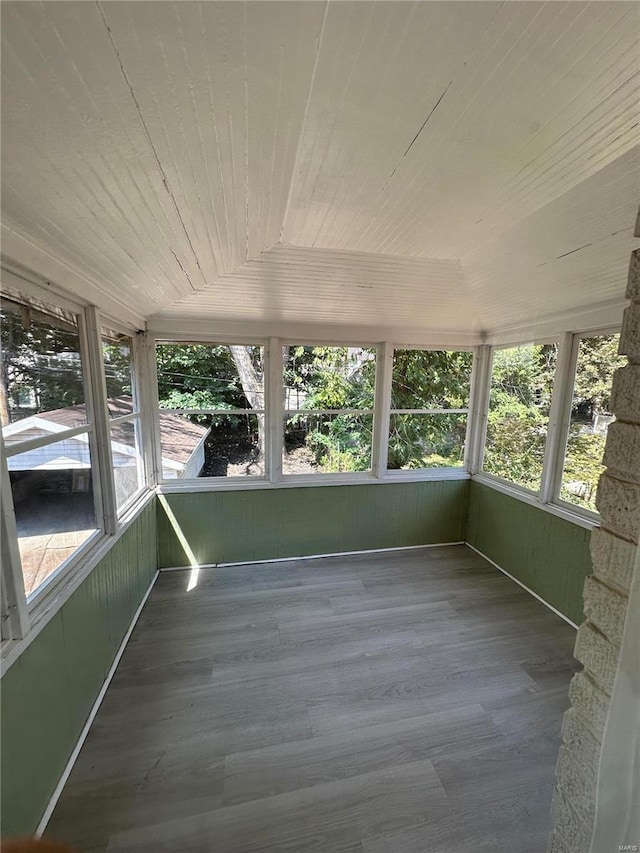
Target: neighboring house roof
179, 437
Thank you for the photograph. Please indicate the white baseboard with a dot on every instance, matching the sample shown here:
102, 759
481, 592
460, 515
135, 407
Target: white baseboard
94, 710
308, 557
524, 586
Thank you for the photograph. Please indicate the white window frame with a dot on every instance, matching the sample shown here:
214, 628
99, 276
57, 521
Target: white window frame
207, 483
319, 477
22, 617
275, 412
565, 404
136, 416
494, 478
548, 495
431, 473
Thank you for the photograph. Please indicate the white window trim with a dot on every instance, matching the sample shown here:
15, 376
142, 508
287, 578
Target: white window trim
395, 474
340, 477
27, 616
548, 495
64, 583
98, 413
15, 615
550, 439
191, 340
275, 413
382, 410
479, 406
583, 518
274, 405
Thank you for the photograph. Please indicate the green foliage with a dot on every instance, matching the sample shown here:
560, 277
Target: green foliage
198, 376
582, 467
520, 401
117, 369
597, 359
522, 383
343, 378
424, 441
342, 443
431, 379
333, 378
41, 368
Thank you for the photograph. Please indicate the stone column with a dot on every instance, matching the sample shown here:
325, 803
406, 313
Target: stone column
606, 593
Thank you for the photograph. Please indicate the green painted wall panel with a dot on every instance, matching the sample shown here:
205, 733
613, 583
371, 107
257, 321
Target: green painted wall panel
49, 691
236, 526
546, 553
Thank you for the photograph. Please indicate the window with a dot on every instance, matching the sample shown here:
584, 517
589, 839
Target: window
429, 408
329, 394
212, 411
597, 359
124, 417
521, 387
47, 435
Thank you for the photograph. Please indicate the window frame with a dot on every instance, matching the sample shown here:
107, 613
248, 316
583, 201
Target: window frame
136, 416
197, 483
275, 412
551, 426
89, 429
23, 616
329, 477
565, 404
548, 495
431, 473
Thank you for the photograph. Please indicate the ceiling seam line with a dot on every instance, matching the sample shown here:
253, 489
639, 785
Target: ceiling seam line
165, 180
316, 62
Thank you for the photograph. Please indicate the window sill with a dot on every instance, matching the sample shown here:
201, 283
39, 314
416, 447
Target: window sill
295, 481
583, 518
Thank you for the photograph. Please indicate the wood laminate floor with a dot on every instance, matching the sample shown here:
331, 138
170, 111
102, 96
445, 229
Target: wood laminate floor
400, 702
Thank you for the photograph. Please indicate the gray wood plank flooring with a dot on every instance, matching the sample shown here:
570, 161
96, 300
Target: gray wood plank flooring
403, 702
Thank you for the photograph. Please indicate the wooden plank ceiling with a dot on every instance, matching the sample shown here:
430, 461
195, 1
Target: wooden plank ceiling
448, 166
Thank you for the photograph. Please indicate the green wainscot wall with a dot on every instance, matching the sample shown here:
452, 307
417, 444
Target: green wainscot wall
47, 694
265, 524
548, 554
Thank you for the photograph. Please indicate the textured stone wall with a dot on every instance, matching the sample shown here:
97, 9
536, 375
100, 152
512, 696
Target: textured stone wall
606, 592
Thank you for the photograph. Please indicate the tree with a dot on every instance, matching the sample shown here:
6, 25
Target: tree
41, 368
428, 379
201, 376
332, 378
522, 384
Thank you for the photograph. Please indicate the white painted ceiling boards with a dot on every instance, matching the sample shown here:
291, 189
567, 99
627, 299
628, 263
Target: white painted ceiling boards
458, 168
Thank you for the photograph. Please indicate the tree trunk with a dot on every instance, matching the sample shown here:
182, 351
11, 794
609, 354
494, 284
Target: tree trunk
252, 386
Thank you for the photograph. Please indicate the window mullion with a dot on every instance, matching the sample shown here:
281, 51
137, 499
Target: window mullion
145, 381
101, 436
274, 401
382, 409
559, 418
15, 613
479, 408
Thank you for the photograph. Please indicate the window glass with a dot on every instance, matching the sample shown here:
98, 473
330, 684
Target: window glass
127, 460
222, 431
327, 443
429, 408
329, 397
40, 369
431, 379
590, 418
426, 441
116, 353
521, 387
53, 498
